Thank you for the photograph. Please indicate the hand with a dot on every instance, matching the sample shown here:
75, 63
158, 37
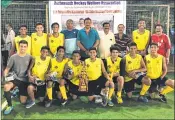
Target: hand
32, 79
87, 52
167, 60
132, 74
116, 74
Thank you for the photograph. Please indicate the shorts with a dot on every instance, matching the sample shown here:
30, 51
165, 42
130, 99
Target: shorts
22, 86
95, 86
115, 79
40, 90
157, 82
130, 85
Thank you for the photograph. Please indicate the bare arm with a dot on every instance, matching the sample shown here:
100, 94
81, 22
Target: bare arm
6, 71
164, 68
13, 47
96, 43
81, 46
143, 67
29, 72
104, 71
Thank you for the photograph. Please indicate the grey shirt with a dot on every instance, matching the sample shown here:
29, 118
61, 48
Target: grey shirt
19, 65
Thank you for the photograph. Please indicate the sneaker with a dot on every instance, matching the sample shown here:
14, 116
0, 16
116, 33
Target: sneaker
48, 103
30, 104
8, 110
142, 99
104, 101
162, 98
110, 103
63, 102
119, 100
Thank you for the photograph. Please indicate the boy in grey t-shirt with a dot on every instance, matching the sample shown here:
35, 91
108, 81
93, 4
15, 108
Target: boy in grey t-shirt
18, 64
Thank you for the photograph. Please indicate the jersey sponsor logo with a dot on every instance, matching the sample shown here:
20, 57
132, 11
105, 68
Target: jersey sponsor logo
87, 65
137, 37
148, 61
38, 63
129, 62
52, 41
35, 39
109, 66
56, 67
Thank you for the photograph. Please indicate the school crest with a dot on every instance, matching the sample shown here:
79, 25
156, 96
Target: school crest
109, 66
148, 61
52, 41
56, 67
137, 37
129, 62
87, 65
38, 63
35, 39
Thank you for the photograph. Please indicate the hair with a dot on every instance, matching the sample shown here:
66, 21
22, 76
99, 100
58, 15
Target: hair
55, 23
132, 44
60, 47
120, 24
23, 42
141, 19
158, 25
22, 26
92, 48
113, 47
69, 20
39, 24
106, 23
9, 24
76, 52
154, 44
87, 19
45, 48
81, 19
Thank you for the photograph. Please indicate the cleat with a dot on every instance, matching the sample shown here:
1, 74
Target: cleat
119, 100
8, 110
48, 103
162, 98
142, 99
110, 103
63, 102
30, 104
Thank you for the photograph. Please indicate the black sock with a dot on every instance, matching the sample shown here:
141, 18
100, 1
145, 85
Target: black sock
7, 95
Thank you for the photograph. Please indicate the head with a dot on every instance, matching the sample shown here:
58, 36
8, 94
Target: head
133, 48
23, 30
154, 48
44, 51
61, 51
87, 23
121, 28
69, 24
76, 55
39, 27
159, 29
114, 50
81, 22
55, 27
8, 26
92, 52
141, 24
23, 45
106, 27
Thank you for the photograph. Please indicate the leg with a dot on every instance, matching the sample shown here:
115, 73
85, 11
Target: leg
30, 89
120, 83
49, 94
23, 99
111, 91
129, 87
63, 91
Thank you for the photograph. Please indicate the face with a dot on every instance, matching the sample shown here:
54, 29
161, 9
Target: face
154, 49
121, 28
87, 23
92, 54
23, 48
60, 53
114, 53
133, 49
55, 28
141, 24
7, 27
44, 53
69, 24
39, 28
23, 31
106, 27
159, 30
76, 57
81, 22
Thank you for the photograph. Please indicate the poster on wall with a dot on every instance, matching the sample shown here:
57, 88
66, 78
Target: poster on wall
113, 12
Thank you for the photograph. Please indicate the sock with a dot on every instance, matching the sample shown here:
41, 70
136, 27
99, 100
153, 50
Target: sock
119, 93
144, 89
111, 90
63, 92
166, 90
7, 95
49, 93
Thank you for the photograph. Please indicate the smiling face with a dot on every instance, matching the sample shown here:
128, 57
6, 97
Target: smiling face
92, 54
44, 53
121, 28
76, 57
106, 27
23, 31
154, 49
159, 30
39, 28
87, 24
133, 49
61, 53
23, 48
55, 28
69, 24
114, 54
141, 24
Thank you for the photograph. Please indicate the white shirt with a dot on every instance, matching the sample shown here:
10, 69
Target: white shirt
106, 40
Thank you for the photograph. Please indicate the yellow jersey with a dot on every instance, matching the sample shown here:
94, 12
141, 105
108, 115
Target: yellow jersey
76, 71
113, 66
40, 67
37, 43
132, 64
94, 70
141, 39
55, 42
154, 66
58, 66
19, 38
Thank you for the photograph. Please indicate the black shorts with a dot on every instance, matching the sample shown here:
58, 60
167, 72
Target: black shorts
115, 79
157, 82
130, 86
95, 86
40, 90
22, 86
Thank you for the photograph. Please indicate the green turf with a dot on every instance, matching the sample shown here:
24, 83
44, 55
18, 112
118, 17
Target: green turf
79, 109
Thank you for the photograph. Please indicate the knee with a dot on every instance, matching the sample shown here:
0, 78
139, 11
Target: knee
30, 88
120, 79
170, 83
49, 84
111, 84
147, 80
6, 87
62, 82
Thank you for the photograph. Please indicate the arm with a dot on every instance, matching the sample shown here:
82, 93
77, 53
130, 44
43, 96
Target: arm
168, 47
13, 47
143, 67
164, 68
81, 46
48, 71
97, 38
104, 71
29, 72
122, 67
9, 66
50, 53
96, 43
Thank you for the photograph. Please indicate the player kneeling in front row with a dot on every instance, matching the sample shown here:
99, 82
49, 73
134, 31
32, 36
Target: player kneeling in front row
37, 74
133, 65
55, 77
156, 71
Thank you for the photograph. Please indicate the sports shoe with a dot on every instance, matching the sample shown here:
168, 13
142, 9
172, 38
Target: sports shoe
163, 98
110, 103
142, 99
63, 102
30, 104
48, 103
119, 100
8, 110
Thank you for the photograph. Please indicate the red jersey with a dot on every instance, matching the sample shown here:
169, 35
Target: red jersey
163, 43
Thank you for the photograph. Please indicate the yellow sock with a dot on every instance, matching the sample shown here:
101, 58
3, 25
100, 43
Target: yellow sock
119, 93
111, 90
144, 89
63, 92
49, 93
166, 90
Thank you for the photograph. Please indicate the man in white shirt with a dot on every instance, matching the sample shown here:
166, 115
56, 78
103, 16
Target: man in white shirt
106, 40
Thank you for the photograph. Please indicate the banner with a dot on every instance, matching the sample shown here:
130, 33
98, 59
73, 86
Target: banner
113, 12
